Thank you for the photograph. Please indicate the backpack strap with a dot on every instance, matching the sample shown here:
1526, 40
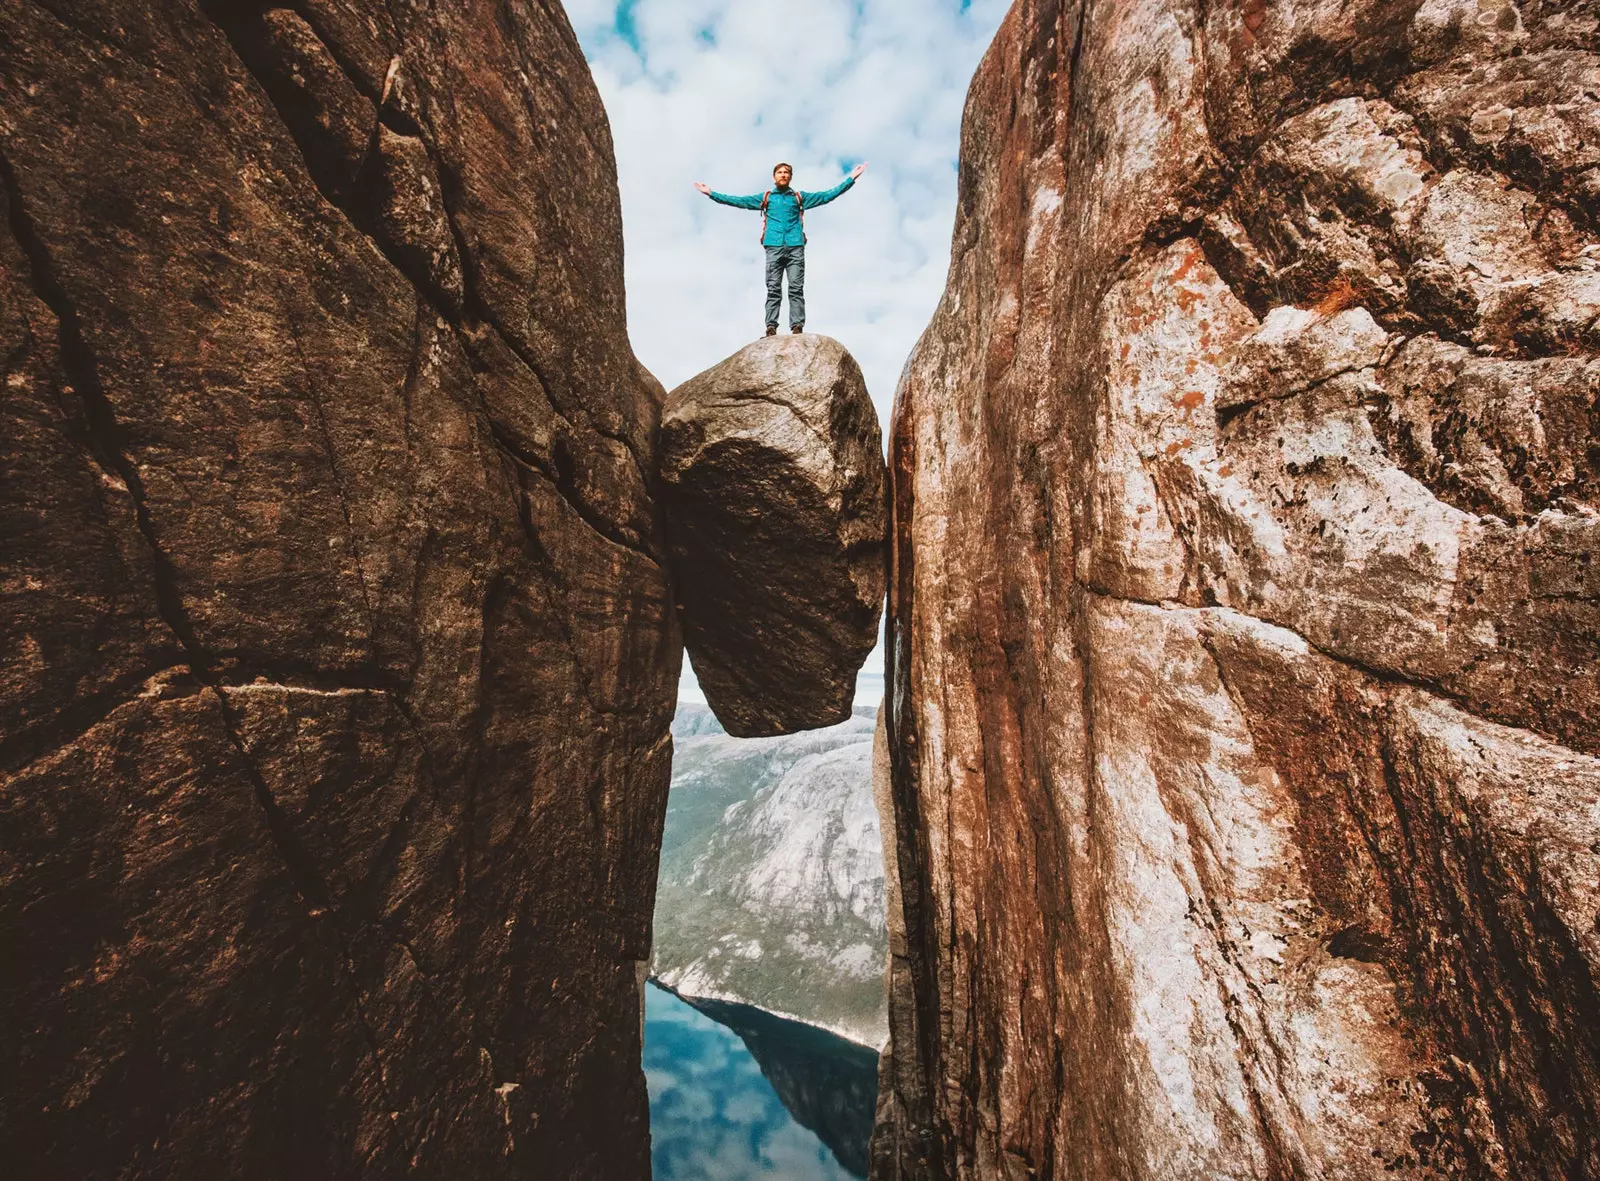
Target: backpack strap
765, 197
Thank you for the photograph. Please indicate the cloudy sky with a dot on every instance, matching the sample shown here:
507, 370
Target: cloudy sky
719, 91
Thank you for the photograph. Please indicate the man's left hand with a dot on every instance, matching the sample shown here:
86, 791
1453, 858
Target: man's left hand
856, 172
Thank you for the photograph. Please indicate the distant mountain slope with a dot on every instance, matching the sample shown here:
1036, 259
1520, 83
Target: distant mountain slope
771, 886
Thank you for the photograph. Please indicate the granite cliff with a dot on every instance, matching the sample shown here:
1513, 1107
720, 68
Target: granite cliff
338, 652
1241, 762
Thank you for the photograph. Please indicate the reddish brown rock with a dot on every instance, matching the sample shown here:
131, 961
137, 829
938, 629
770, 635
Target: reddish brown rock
772, 479
338, 654
1244, 607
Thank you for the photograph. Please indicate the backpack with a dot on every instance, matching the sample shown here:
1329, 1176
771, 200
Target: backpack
800, 211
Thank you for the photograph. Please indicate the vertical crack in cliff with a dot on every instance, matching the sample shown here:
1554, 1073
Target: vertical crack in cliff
331, 450
917, 1139
106, 444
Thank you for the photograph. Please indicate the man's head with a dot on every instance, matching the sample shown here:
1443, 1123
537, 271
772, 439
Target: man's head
781, 174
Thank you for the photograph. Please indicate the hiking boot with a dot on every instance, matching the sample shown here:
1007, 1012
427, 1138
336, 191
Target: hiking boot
772, 330
797, 329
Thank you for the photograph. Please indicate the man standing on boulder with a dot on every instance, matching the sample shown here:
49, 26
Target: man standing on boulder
783, 233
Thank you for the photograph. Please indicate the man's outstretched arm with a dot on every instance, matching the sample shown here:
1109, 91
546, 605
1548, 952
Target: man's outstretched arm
812, 200
751, 202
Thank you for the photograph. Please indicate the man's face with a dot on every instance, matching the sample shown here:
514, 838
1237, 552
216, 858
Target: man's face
781, 175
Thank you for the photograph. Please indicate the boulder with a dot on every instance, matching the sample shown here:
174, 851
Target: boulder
773, 480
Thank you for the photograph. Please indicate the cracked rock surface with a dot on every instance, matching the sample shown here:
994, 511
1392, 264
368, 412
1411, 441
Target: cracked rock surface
773, 480
1244, 610
338, 653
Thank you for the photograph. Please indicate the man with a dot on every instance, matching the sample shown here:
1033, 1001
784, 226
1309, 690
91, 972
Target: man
783, 233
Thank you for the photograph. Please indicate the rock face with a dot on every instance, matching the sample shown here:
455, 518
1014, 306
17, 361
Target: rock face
1244, 604
773, 482
771, 882
338, 653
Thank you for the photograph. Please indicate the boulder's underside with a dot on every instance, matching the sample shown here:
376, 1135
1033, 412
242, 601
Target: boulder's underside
1245, 604
338, 654
773, 483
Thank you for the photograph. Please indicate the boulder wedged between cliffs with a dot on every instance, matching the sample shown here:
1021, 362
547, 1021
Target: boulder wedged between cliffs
773, 483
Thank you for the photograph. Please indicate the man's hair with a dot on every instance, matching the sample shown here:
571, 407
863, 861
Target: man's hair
779, 165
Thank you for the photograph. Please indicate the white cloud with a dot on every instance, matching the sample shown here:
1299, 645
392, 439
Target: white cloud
720, 90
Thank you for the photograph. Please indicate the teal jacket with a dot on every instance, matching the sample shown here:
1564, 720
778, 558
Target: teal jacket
783, 210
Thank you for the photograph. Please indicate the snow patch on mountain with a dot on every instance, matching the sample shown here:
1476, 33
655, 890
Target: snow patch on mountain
771, 890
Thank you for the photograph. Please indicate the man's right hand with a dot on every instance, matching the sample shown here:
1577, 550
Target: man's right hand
703, 187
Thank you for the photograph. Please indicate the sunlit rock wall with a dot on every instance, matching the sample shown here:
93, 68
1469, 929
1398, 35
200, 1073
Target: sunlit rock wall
1244, 620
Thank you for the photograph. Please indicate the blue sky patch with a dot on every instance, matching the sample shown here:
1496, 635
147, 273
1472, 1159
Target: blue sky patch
626, 26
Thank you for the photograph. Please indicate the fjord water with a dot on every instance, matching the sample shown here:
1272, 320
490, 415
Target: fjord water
715, 1114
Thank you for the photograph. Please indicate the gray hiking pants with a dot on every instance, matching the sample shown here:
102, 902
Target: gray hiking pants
791, 259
